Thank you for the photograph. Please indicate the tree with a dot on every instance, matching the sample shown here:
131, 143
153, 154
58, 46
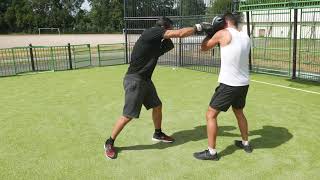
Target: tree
4, 5
116, 15
18, 16
192, 7
106, 15
56, 13
148, 8
220, 7
82, 22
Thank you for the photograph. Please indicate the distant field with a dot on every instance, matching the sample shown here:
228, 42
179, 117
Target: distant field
8, 41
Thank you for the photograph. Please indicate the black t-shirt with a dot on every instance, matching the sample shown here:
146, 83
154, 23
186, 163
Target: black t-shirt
146, 52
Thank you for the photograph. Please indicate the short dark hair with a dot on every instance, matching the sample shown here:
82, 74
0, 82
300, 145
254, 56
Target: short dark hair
164, 22
234, 18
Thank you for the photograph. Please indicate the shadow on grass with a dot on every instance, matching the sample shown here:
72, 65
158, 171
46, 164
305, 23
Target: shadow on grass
302, 83
270, 137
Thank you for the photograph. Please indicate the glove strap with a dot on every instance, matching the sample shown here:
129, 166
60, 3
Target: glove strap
198, 27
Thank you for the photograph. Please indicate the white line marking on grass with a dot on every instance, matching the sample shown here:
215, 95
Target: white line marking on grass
297, 89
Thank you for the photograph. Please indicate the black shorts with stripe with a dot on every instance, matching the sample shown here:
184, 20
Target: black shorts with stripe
138, 92
226, 96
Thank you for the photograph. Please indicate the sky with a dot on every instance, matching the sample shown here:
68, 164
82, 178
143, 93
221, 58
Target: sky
86, 6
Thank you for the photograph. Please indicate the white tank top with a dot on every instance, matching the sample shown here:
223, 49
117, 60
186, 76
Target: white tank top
235, 60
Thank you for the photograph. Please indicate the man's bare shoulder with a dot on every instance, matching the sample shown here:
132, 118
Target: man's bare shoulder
226, 37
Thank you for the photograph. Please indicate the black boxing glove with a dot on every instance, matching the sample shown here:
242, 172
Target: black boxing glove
208, 29
166, 46
218, 23
204, 27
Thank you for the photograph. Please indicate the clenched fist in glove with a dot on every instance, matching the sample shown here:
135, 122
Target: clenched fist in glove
204, 27
218, 23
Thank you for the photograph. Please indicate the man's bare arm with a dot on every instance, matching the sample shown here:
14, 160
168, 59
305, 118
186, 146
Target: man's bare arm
179, 33
208, 43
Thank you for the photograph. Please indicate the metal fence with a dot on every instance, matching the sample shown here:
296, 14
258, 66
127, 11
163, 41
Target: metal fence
309, 44
285, 37
271, 41
19, 60
284, 33
141, 14
111, 54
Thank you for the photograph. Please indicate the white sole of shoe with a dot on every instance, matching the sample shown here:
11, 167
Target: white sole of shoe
165, 141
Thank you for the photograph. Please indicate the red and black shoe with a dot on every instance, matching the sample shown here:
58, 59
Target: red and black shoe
162, 137
110, 151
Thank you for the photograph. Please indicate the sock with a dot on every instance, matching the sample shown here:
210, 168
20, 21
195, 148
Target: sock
212, 151
157, 131
245, 143
110, 141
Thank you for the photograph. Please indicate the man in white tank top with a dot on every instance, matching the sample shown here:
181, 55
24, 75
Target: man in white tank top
234, 83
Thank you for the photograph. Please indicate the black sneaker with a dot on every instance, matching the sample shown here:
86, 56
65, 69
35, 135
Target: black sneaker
246, 148
162, 137
110, 151
205, 155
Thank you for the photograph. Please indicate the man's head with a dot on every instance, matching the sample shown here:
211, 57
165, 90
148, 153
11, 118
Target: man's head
164, 22
231, 19
218, 23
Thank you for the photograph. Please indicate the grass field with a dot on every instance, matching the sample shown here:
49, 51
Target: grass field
53, 126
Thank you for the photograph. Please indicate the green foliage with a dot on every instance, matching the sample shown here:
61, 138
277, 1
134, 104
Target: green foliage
195, 7
145, 8
106, 16
28, 15
191, 8
220, 6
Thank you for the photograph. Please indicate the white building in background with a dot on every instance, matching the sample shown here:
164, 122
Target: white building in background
281, 24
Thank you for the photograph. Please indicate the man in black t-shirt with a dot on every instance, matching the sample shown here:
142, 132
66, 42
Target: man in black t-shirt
138, 86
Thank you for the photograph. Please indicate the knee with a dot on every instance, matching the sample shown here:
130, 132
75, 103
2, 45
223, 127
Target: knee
125, 119
237, 112
210, 115
158, 108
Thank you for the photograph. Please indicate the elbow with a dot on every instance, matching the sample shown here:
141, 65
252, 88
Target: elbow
204, 48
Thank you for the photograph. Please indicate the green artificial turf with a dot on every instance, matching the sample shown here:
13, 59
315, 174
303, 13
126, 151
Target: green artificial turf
53, 126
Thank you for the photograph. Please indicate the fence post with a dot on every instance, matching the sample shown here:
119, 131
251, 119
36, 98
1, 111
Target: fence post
99, 56
90, 54
69, 55
125, 30
180, 40
14, 61
31, 57
295, 39
235, 6
52, 59
248, 31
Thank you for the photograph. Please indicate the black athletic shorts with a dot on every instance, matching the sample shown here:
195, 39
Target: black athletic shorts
137, 92
226, 96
